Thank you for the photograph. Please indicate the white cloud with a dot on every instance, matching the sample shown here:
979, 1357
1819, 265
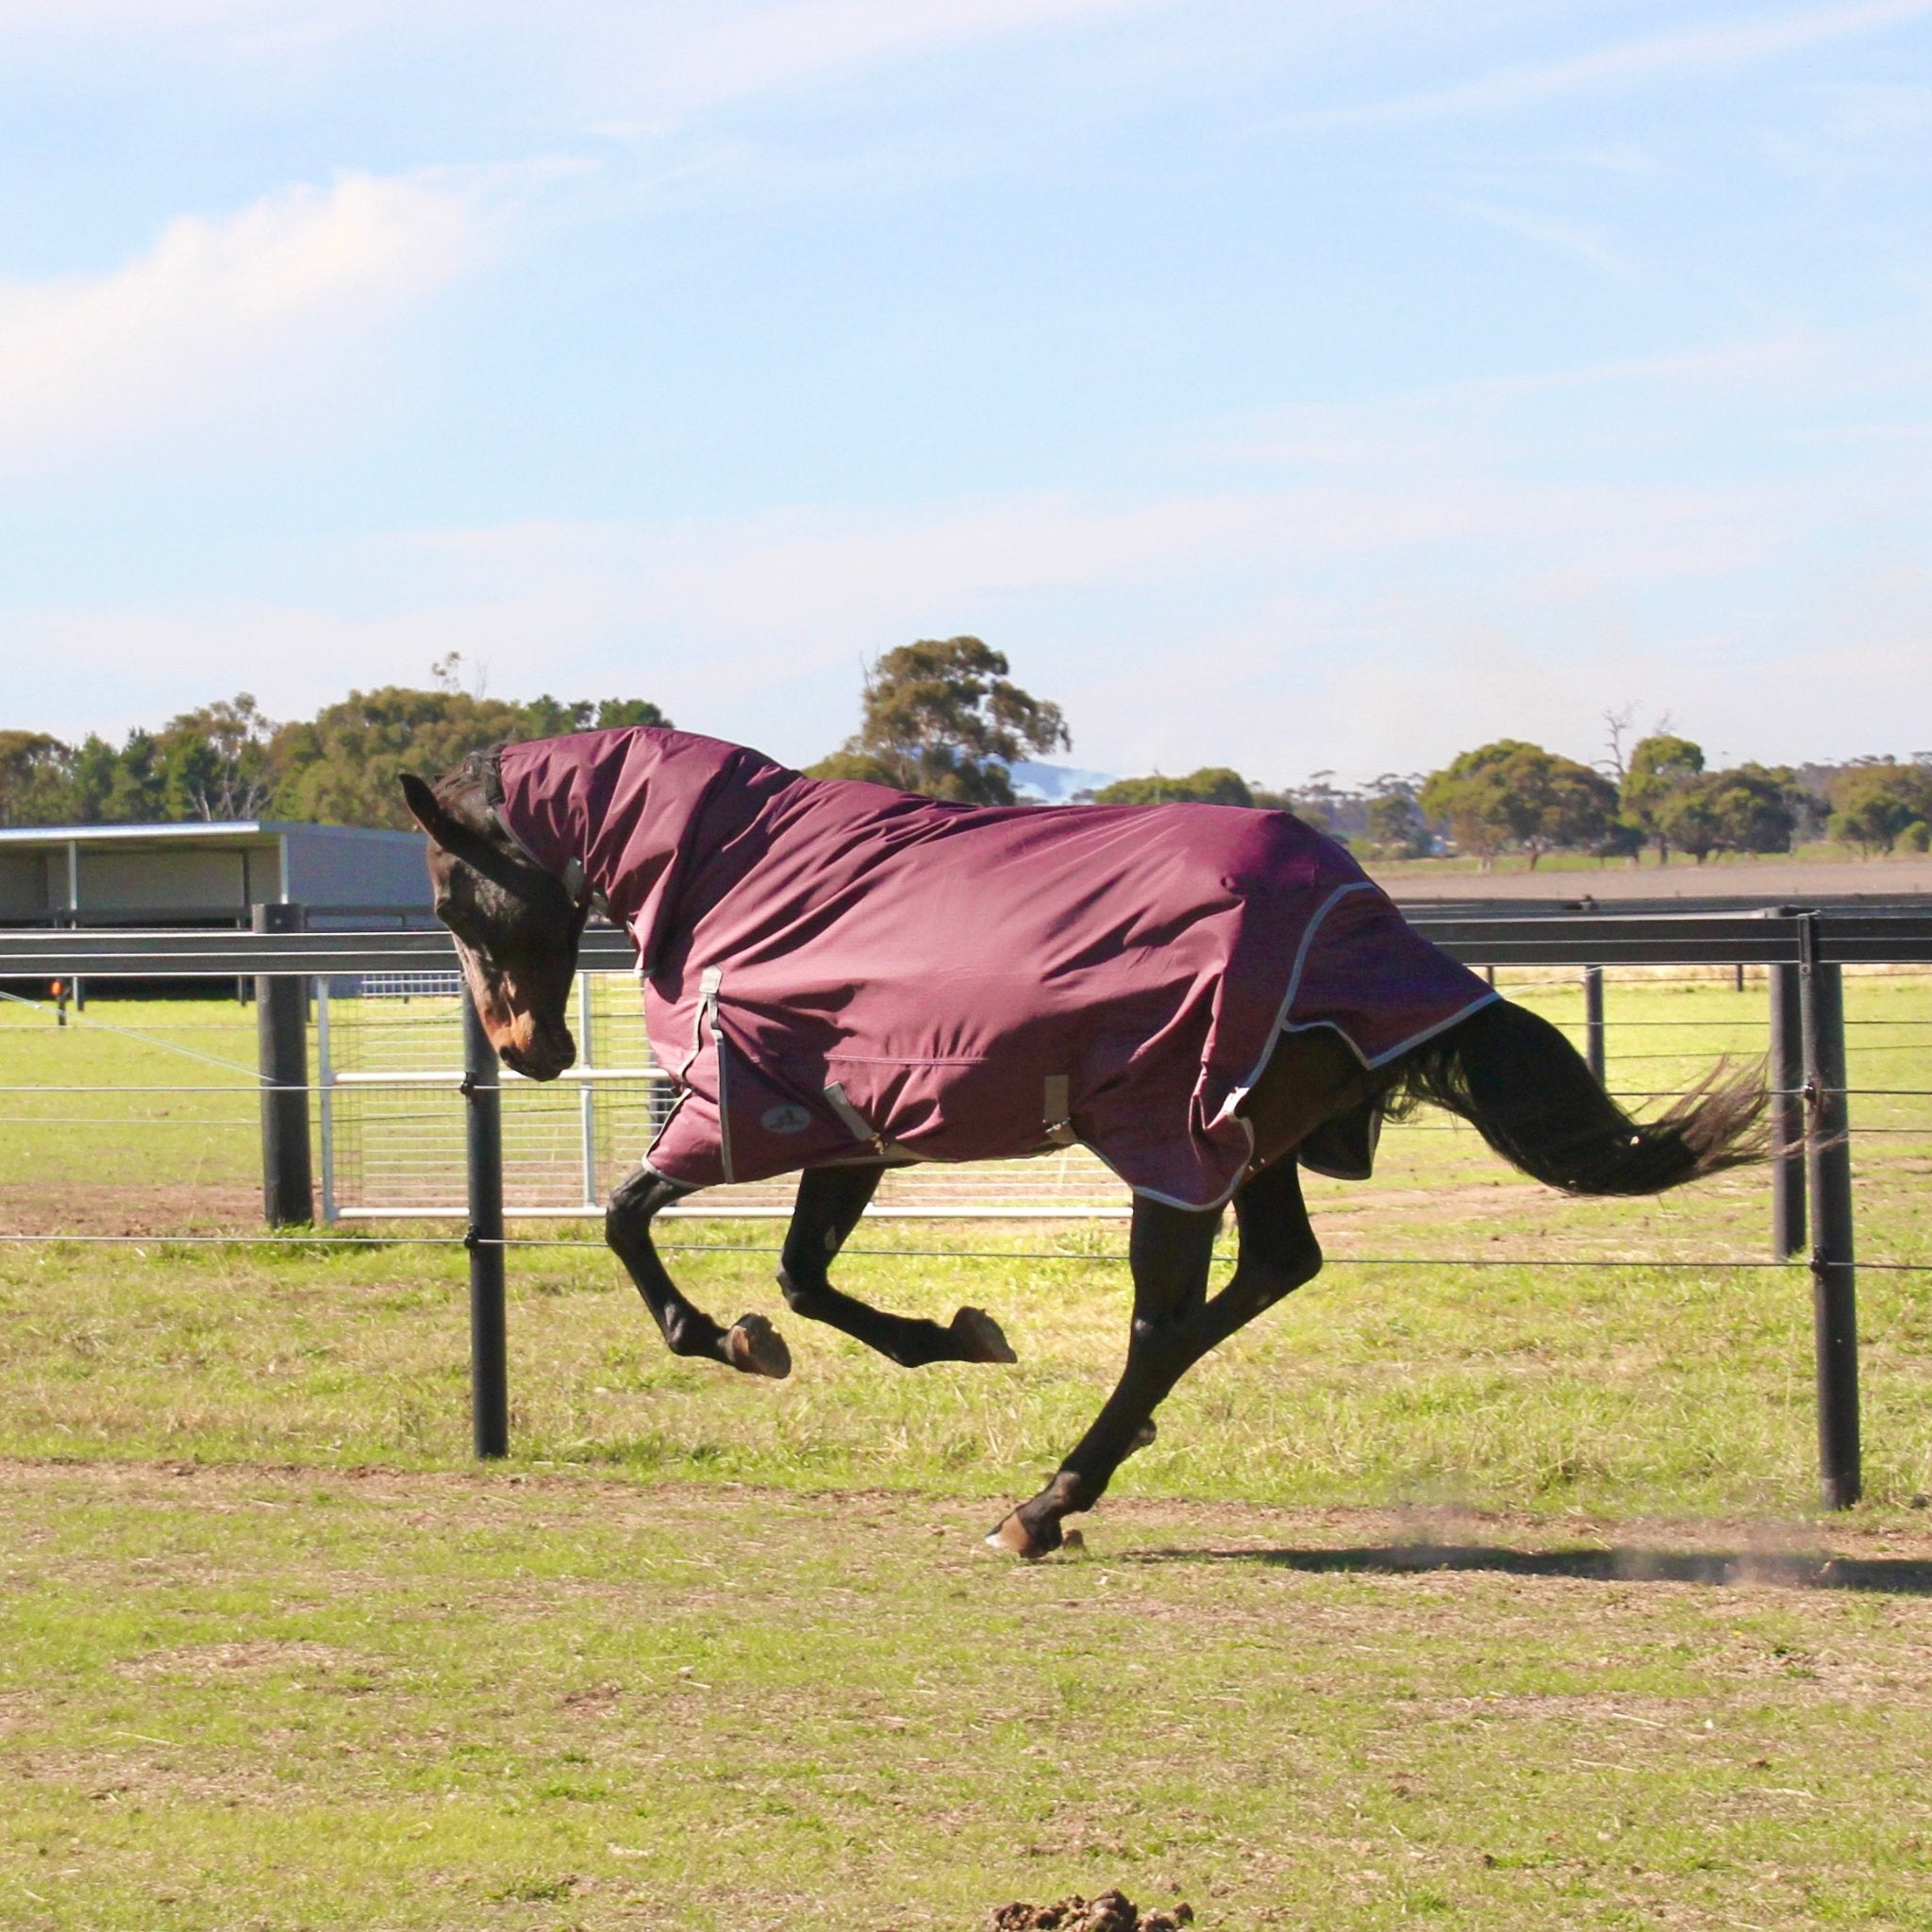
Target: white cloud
645, 65
1565, 237
759, 49
1379, 585
1359, 622
1691, 50
193, 326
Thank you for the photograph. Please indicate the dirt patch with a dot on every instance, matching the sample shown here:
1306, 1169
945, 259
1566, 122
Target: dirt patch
1761, 881
1741, 1552
122, 1207
206, 1663
1112, 1911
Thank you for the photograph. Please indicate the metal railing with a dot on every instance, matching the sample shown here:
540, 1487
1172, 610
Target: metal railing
1805, 952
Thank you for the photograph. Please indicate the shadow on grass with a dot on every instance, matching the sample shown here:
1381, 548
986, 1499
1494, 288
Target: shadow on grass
1894, 1575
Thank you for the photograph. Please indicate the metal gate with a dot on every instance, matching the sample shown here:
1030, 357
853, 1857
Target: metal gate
390, 1075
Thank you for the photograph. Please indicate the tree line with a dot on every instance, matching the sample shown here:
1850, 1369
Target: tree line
943, 716
228, 761
1511, 796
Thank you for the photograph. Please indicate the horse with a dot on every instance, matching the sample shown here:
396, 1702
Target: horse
875, 912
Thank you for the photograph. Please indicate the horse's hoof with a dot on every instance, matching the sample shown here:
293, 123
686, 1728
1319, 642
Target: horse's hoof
1142, 1436
1016, 1539
758, 1348
981, 1337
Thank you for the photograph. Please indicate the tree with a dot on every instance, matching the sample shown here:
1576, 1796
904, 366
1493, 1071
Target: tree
1662, 766
1471, 796
340, 768
225, 761
1684, 818
1396, 828
1872, 804
220, 760
36, 778
941, 718
549, 717
1512, 792
1575, 807
1210, 785
137, 783
1753, 808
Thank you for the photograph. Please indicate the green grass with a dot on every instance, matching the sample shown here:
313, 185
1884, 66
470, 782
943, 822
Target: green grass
1625, 1391
288, 1699
1508, 1385
719, 1653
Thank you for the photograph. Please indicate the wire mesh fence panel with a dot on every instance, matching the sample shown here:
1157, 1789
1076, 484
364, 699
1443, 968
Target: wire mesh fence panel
392, 1058
142, 1113
395, 1138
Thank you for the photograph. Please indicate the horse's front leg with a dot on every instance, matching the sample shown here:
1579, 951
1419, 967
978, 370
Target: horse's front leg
830, 1200
1174, 1326
751, 1344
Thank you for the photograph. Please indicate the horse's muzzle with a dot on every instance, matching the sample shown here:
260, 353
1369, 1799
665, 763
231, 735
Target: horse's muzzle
542, 1058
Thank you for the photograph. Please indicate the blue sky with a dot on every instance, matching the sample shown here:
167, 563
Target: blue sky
1295, 387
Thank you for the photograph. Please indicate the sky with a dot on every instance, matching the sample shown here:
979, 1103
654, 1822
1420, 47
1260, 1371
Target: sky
1293, 386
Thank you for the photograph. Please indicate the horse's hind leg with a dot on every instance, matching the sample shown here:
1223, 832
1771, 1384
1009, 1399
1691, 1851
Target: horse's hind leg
751, 1344
830, 1200
1174, 1326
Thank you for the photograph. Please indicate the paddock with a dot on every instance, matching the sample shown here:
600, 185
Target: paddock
1483, 1582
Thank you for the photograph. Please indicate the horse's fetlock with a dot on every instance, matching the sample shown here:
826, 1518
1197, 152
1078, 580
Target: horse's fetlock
1284, 1278
801, 1297
1146, 1333
687, 1335
1070, 1492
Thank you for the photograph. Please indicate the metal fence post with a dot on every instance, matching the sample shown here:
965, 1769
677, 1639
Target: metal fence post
587, 1100
1829, 1185
325, 1100
1786, 1113
281, 1033
1593, 1019
489, 1349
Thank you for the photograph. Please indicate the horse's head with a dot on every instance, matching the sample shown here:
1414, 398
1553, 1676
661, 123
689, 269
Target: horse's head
516, 926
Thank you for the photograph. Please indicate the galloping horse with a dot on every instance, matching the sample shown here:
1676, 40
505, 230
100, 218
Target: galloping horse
845, 978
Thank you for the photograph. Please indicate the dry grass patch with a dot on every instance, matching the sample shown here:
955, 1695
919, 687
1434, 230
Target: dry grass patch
310, 1699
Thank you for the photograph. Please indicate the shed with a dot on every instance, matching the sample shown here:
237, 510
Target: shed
205, 875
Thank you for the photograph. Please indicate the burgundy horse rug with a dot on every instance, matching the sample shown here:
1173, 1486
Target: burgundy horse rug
837, 972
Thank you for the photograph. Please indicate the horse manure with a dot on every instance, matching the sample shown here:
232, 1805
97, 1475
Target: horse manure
1112, 1911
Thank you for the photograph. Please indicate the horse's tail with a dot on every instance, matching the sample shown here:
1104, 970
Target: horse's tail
1532, 1097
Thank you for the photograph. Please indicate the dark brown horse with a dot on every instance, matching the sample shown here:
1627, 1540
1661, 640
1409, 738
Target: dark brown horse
1511, 1075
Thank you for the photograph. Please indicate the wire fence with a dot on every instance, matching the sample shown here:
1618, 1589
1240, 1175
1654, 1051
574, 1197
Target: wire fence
387, 1106
396, 1127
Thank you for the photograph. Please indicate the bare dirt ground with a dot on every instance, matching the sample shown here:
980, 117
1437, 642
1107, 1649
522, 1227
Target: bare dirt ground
1761, 882
524, 1701
128, 1207
1744, 1552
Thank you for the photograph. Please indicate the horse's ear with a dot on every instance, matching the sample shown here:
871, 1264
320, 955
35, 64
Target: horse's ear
423, 807
461, 840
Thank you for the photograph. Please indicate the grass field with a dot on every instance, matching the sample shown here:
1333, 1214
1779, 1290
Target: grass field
711, 1652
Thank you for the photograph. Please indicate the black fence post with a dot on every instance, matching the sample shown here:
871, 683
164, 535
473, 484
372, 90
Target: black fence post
1786, 1113
1828, 1183
489, 1347
281, 1033
1593, 1019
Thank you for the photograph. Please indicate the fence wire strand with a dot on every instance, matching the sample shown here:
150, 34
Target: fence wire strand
1797, 1262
